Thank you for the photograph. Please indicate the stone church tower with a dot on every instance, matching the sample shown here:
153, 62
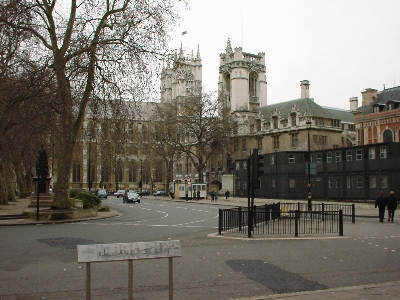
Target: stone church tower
183, 78
242, 83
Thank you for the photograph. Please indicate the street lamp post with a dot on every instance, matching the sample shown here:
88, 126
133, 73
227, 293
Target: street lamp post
88, 170
309, 201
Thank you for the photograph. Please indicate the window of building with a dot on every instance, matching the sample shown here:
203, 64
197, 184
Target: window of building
320, 139
291, 159
236, 145
132, 172
258, 125
330, 183
359, 182
372, 182
244, 146
253, 87
293, 120
319, 157
348, 180
245, 165
275, 122
259, 144
338, 183
383, 152
371, 152
329, 157
359, 154
352, 127
349, 155
337, 156
292, 183
244, 184
273, 183
272, 159
276, 141
384, 182
237, 165
295, 140
76, 172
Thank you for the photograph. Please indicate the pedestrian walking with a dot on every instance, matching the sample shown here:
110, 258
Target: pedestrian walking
227, 195
381, 202
198, 195
212, 195
391, 205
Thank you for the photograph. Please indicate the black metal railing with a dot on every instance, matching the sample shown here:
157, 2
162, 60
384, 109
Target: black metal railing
277, 219
349, 211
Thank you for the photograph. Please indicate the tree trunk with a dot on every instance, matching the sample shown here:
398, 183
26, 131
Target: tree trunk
23, 185
3, 198
64, 167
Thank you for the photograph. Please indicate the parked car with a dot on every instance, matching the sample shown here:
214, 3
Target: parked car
131, 197
102, 194
120, 193
159, 193
145, 193
111, 192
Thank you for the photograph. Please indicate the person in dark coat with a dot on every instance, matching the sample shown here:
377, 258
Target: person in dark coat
381, 202
391, 205
212, 196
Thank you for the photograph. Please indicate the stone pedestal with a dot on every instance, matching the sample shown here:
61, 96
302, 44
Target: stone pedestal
227, 183
44, 194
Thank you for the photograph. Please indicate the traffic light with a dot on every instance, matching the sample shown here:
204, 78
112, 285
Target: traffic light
257, 168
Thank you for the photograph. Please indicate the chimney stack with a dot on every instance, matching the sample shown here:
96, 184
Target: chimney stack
305, 89
353, 103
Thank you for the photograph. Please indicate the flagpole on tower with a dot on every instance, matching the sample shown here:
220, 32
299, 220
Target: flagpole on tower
187, 42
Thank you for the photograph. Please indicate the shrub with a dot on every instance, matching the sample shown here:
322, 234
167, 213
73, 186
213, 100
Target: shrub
73, 193
89, 200
104, 208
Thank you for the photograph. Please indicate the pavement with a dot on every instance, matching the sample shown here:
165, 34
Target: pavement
15, 213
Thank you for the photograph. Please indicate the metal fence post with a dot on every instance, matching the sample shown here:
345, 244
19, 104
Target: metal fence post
323, 211
249, 222
296, 223
220, 222
353, 213
340, 222
240, 218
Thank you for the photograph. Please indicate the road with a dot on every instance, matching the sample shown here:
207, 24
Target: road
40, 262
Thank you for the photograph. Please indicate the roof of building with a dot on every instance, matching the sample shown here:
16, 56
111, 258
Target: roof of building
391, 94
307, 107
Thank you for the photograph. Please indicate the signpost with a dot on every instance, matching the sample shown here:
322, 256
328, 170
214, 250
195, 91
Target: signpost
129, 251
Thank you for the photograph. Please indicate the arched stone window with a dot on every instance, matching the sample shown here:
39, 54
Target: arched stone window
253, 91
387, 136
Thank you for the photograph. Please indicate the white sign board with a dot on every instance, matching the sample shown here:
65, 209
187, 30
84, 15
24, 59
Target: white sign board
126, 251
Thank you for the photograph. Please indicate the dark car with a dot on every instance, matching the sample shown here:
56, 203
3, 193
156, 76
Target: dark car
111, 192
120, 193
159, 193
145, 193
131, 197
102, 194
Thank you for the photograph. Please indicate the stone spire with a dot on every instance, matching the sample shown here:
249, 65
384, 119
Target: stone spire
181, 53
228, 48
198, 53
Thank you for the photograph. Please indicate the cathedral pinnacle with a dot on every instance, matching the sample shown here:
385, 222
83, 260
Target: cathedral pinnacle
228, 47
198, 53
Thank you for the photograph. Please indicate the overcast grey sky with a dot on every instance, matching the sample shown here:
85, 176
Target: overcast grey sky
341, 46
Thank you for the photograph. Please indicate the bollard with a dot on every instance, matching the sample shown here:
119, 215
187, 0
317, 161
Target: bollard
340, 222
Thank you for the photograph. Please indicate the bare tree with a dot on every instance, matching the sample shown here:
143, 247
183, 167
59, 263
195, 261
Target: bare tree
94, 50
193, 126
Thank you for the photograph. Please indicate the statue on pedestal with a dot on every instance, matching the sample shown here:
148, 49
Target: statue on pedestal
229, 164
42, 167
